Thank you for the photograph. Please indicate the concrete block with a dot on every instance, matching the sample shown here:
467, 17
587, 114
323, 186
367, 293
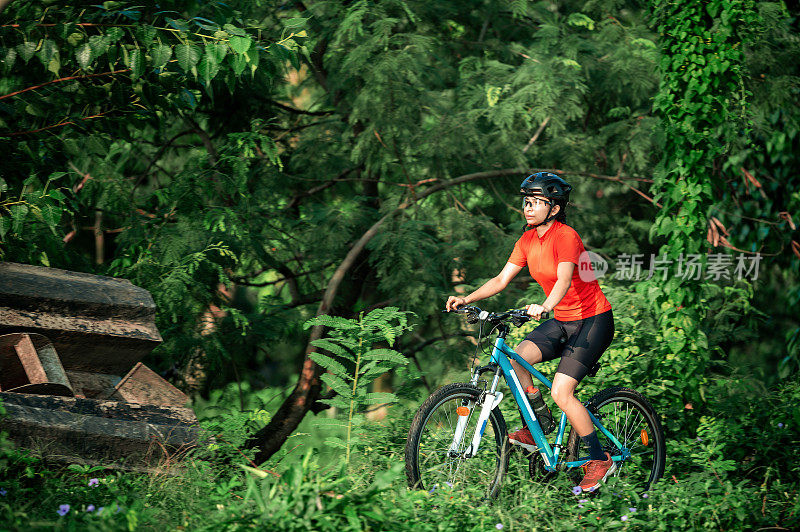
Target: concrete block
107, 432
97, 324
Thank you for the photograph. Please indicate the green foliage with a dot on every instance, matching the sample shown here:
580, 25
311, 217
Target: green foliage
5, 445
353, 363
204, 182
105, 38
89, 113
34, 494
229, 417
232, 153
34, 214
701, 490
703, 114
754, 437
295, 500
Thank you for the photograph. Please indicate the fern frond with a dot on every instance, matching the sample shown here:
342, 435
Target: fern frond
381, 315
380, 397
370, 375
368, 366
519, 8
388, 332
330, 422
333, 346
336, 402
385, 354
329, 364
338, 385
333, 441
334, 322
347, 342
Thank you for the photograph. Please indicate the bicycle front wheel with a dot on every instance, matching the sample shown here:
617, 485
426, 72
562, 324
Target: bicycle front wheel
435, 457
630, 418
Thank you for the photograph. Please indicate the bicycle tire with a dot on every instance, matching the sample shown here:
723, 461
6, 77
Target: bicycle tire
430, 468
648, 449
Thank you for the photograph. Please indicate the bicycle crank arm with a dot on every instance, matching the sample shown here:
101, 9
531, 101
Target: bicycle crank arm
490, 401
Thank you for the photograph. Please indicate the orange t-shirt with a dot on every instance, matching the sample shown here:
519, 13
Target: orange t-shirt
560, 243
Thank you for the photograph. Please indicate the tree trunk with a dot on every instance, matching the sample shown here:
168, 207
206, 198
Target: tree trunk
284, 422
269, 439
195, 374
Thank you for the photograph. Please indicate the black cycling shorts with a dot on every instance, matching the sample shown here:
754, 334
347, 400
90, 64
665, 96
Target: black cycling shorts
579, 343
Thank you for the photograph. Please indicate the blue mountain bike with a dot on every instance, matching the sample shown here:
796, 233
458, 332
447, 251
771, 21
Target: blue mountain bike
458, 438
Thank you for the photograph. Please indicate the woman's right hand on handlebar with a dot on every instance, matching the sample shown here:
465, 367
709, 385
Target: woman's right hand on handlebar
537, 311
453, 302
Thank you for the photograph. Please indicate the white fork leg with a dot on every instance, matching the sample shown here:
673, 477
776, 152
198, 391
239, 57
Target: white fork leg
490, 401
460, 427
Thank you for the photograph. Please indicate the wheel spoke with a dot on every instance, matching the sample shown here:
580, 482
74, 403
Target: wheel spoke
436, 465
626, 418
630, 438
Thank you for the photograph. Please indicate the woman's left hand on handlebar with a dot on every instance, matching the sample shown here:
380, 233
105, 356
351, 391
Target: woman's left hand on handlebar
536, 311
453, 302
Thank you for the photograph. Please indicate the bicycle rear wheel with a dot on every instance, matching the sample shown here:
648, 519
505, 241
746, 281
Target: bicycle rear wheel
630, 418
431, 460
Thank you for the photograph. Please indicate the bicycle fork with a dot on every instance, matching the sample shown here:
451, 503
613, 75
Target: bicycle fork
491, 399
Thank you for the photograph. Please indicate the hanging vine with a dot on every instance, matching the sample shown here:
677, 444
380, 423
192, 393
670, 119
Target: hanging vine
701, 104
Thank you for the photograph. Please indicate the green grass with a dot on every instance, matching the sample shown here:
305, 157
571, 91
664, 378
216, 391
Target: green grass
717, 483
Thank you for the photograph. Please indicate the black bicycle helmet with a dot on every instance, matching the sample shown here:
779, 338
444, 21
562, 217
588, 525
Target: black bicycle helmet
551, 187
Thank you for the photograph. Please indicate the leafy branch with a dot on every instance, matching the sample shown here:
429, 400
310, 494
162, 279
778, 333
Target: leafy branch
353, 363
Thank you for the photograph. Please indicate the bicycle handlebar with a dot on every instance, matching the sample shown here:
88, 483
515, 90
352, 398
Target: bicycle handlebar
517, 316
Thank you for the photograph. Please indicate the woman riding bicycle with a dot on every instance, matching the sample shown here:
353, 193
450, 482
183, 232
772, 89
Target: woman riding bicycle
583, 326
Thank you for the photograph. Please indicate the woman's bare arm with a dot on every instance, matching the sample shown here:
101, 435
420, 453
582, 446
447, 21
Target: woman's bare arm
491, 287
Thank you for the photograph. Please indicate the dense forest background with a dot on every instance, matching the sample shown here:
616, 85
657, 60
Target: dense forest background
257, 164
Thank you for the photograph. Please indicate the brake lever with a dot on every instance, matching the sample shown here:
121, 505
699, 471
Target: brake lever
523, 313
462, 310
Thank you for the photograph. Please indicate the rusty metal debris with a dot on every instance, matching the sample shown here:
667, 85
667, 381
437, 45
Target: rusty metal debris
26, 367
144, 386
71, 377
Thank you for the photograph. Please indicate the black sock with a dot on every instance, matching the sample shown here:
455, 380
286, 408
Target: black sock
593, 444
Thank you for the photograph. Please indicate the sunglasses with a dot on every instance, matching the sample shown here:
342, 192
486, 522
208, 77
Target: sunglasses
534, 203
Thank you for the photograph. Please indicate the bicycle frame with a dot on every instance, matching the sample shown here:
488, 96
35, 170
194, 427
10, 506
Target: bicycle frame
500, 356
